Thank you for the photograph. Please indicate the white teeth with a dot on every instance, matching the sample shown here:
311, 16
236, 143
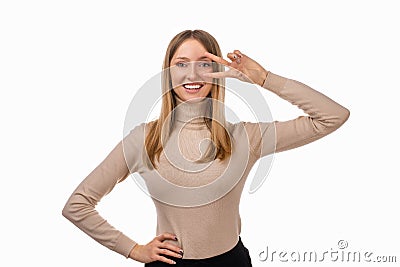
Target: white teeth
192, 86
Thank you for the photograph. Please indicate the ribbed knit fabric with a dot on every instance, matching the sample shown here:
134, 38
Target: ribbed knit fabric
199, 202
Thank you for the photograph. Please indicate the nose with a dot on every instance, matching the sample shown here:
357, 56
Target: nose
192, 73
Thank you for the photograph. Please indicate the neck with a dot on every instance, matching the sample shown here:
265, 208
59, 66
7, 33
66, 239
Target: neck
193, 112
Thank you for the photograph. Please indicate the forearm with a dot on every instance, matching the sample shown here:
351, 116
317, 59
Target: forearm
324, 114
83, 215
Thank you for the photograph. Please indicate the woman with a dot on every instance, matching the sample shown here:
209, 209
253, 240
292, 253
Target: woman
196, 189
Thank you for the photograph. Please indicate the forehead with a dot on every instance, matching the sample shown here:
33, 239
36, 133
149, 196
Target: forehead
191, 49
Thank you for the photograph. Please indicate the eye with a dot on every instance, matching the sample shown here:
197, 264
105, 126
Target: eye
181, 64
205, 64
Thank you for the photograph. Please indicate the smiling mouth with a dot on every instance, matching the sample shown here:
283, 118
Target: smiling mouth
193, 86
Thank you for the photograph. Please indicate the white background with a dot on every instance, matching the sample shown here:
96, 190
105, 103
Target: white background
69, 69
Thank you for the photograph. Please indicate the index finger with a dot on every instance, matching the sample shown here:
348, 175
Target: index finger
165, 236
216, 58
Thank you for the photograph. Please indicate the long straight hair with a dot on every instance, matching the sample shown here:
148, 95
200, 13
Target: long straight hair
160, 129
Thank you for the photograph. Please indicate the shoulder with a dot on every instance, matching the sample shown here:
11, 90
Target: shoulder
253, 131
137, 135
141, 129
134, 146
247, 126
240, 130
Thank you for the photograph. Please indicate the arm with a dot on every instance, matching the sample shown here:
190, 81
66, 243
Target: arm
80, 207
324, 116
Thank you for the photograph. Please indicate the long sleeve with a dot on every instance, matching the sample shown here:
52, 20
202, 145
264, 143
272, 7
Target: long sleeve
80, 207
324, 117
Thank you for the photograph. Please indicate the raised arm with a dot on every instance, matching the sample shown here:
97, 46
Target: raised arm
324, 114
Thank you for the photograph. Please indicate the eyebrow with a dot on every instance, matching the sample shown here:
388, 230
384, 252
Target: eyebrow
201, 58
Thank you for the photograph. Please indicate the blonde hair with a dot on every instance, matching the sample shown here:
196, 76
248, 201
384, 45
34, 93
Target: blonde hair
159, 130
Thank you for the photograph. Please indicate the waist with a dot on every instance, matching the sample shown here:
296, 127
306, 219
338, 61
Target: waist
215, 259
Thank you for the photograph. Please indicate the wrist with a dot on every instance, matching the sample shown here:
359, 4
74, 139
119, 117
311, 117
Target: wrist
133, 254
263, 77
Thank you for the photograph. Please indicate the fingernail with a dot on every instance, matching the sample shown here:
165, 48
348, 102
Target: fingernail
173, 262
176, 238
181, 252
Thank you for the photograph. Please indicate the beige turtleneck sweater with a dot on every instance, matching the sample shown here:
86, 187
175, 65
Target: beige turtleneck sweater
199, 202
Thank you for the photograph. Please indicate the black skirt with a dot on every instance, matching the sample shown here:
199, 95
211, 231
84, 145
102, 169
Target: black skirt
238, 256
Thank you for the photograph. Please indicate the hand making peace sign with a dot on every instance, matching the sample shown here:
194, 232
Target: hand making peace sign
241, 67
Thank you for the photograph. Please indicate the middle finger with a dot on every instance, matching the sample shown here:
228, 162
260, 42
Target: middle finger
171, 247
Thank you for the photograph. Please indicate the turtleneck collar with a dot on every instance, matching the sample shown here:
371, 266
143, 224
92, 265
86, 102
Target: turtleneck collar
193, 112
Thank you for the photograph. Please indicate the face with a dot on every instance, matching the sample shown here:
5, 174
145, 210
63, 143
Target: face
188, 65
